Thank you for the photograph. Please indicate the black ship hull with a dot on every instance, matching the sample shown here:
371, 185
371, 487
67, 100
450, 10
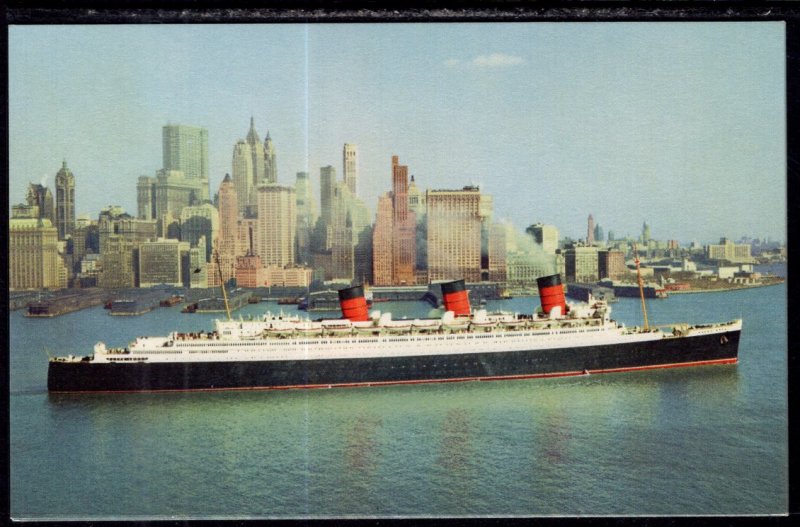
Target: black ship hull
720, 348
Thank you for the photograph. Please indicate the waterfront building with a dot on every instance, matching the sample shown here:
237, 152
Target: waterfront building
277, 228
292, 276
270, 161
590, 231
546, 236
117, 263
350, 166
162, 262
455, 219
200, 221
34, 262
250, 272
611, 264
404, 252
65, 202
41, 197
729, 251
146, 198
581, 264
523, 268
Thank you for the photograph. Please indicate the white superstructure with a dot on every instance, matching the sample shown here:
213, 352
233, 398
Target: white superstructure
288, 337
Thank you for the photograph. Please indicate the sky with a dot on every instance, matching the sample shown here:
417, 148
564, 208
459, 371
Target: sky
681, 125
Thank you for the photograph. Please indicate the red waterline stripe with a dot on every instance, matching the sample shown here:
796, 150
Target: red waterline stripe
421, 381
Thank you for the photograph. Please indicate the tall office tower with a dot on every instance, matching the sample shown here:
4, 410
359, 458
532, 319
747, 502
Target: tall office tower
277, 225
228, 232
350, 165
362, 256
382, 242
581, 264
162, 262
248, 168
185, 148
270, 161
65, 202
41, 197
404, 253
146, 198
243, 175
34, 262
645, 232
327, 176
590, 231
416, 200
598, 234
200, 221
306, 216
497, 253
546, 236
455, 218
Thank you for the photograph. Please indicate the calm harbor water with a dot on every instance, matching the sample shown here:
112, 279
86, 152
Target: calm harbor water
688, 441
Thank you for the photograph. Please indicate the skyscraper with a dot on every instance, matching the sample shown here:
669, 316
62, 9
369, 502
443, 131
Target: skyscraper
327, 177
270, 161
382, 242
404, 254
228, 234
65, 202
185, 148
248, 169
350, 165
34, 262
455, 218
41, 197
590, 231
277, 217
146, 198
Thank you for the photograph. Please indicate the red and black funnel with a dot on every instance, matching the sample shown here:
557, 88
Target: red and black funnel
353, 304
551, 293
456, 297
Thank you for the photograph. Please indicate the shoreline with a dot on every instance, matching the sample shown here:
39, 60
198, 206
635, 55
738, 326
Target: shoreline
723, 289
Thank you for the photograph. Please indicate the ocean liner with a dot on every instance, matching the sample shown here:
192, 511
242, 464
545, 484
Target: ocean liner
365, 349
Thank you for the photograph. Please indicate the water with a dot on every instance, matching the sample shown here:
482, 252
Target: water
691, 441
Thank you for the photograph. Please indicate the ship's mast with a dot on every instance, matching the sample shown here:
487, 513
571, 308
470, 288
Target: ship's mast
641, 286
222, 283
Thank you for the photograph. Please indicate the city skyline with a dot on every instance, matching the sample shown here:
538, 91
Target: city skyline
678, 124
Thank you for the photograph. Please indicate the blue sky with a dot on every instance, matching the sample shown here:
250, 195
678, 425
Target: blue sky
681, 125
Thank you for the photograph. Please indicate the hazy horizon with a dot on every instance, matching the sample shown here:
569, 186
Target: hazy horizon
681, 125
